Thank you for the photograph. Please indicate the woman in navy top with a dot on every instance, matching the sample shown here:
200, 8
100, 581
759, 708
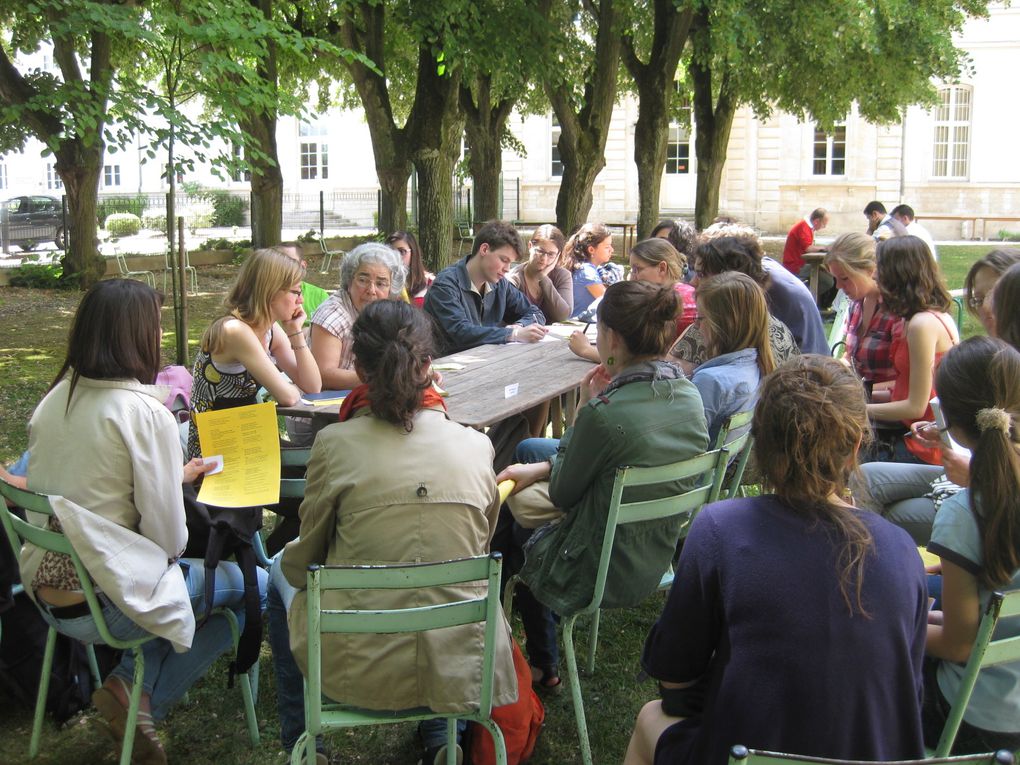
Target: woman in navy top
796, 622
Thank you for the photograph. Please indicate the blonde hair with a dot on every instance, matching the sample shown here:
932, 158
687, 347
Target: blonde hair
265, 273
655, 251
854, 252
734, 311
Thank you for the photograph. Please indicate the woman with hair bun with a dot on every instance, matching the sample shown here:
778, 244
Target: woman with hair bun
393, 499
977, 536
796, 622
634, 409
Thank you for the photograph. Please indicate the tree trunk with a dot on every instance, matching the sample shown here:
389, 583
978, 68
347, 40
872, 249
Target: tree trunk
394, 174
655, 93
713, 119
266, 181
266, 176
79, 170
651, 139
574, 201
484, 124
435, 207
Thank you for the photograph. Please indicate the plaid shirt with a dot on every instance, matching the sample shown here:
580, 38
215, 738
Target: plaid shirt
870, 349
337, 316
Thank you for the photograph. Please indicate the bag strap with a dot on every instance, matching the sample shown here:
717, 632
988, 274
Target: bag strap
250, 643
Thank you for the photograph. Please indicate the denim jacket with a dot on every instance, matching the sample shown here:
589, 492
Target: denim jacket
465, 319
650, 415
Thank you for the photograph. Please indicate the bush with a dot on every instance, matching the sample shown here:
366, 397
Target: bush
110, 205
197, 215
1009, 236
310, 236
154, 218
123, 224
228, 209
41, 277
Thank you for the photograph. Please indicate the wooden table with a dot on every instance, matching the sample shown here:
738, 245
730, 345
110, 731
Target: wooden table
629, 234
478, 394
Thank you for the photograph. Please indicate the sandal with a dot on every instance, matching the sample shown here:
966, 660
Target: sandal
546, 679
147, 749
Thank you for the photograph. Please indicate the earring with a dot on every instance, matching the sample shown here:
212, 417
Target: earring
610, 361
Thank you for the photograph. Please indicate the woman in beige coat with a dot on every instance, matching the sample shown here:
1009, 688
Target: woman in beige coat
395, 481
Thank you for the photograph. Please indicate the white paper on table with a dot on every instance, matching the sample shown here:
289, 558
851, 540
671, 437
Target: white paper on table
511, 390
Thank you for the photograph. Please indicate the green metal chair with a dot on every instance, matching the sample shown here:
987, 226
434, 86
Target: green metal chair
327, 256
741, 755
735, 437
20, 532
321, 716
987, 652
706, 471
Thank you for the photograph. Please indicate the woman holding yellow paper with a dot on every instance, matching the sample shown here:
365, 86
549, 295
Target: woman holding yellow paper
102, 439
258, 338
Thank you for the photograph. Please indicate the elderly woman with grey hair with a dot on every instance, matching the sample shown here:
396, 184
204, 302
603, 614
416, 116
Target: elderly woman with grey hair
370, 272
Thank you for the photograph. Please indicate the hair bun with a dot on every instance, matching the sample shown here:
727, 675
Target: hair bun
994, 418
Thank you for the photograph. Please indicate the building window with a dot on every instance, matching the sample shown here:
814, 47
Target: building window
952, 133
111, 176
52, 179
830, 151
556, 166
678, 150
315, 152
241, 171
3, 176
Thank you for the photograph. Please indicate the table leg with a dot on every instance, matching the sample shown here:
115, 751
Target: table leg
571, 404
556, 415
813, 281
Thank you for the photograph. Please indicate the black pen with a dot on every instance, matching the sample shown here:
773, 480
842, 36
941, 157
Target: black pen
586, 325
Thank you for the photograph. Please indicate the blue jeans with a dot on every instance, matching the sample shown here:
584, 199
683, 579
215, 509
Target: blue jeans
290, 688
539, 622
168, 675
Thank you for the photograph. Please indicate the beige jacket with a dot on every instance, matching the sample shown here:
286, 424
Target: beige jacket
376, 494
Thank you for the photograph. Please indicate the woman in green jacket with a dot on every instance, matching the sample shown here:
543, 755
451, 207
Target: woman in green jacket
635, 409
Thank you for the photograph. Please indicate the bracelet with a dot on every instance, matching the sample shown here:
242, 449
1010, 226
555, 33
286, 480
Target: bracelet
298, 347
299, 332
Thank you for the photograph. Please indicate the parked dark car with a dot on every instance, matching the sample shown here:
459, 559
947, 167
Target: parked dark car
29, 220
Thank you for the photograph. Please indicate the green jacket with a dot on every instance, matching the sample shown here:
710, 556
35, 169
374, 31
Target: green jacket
650, 415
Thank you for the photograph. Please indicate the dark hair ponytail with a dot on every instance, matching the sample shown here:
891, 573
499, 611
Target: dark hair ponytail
978, 383
643, 314
393, 346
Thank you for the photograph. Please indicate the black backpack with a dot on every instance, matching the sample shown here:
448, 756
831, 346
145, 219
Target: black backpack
218, 533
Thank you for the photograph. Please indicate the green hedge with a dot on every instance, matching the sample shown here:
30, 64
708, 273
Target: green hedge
123, 224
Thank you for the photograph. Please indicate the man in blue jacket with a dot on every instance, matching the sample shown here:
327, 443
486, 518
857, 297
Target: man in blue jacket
473, 304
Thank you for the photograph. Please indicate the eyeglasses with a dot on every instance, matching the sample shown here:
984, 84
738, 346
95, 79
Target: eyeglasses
547, 253
364, 281
976, 301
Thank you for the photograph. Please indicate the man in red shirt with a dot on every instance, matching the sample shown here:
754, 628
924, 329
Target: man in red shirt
801, 239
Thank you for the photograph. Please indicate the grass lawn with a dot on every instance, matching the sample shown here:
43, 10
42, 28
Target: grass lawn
210, 728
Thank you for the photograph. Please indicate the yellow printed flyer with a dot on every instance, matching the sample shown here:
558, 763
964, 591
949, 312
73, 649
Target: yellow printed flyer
248, 440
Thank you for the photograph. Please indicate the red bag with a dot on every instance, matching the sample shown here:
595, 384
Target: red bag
521, 722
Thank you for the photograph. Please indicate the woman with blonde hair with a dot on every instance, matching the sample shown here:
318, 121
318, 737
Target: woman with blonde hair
591, 246
259, 337
870, 328
792, 609
735, 325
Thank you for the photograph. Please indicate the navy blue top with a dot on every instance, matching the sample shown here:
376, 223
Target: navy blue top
791, 302
465, 319
756, 606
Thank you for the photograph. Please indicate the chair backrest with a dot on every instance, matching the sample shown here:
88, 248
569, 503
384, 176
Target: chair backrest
740, 755
837, 333
410, 576
735, 437
706, 473
985, 653
20, 532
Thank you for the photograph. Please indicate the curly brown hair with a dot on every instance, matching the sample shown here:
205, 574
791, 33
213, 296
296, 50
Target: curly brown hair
809, 421
909, 278
393, 345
